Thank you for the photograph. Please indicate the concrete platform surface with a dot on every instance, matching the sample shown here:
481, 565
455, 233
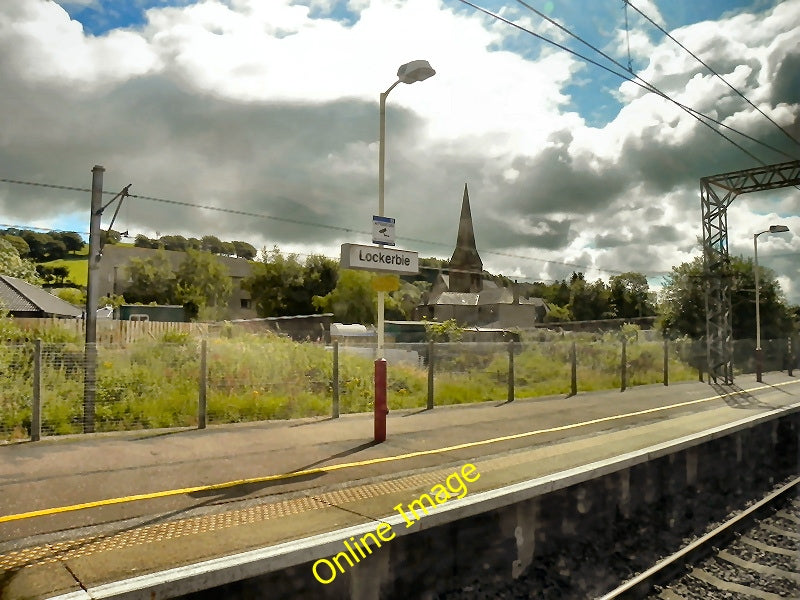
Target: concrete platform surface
159, 500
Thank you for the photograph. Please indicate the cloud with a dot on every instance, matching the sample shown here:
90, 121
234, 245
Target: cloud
272, 109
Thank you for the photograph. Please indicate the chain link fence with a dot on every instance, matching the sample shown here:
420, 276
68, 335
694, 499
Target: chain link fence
181, 381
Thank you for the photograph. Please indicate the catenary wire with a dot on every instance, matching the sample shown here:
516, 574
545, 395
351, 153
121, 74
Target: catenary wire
651, 87
310, 224
605, 68
721, 78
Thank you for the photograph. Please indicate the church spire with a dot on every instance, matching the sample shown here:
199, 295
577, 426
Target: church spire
466, 266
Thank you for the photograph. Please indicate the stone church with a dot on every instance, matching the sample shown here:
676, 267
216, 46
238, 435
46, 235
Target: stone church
469, 298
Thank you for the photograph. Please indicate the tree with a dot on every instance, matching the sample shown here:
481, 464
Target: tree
142, 241
683, 301
19, 244
110, 237
12, 265
60, 274
211, 243
152, 279
630, 295
203, 283
244, 250
178, 243
282, 285
352, 300
587, 301
72, 241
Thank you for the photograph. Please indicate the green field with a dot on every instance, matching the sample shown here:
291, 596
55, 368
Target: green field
77, 265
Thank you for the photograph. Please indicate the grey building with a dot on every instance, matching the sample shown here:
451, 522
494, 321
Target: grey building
113, 278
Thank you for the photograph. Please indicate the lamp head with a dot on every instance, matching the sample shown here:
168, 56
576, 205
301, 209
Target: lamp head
416, 70
778, 228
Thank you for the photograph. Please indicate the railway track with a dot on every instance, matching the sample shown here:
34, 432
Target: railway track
755, 554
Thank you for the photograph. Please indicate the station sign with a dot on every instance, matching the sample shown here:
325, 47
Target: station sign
382, 230
377, 258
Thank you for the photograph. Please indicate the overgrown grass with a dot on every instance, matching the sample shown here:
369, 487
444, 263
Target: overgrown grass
155, 383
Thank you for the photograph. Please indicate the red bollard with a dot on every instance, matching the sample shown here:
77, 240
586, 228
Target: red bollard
381, 407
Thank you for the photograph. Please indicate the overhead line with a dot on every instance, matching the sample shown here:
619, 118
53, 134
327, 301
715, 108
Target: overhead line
605, 68
653, 89
309, 224
721, 78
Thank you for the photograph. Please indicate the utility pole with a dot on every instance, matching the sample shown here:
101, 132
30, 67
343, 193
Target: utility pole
90, 372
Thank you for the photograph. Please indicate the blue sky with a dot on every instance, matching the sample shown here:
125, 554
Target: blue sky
595, 22
262, 107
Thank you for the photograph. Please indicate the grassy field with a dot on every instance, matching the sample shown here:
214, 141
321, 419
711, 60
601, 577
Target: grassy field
77, 264
154, 382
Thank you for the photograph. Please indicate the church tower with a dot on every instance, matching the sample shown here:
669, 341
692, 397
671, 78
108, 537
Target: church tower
466, 267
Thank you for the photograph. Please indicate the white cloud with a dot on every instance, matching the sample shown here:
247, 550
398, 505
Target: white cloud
271, 108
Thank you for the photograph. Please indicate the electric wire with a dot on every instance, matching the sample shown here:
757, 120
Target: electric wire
721, 78
651, 87
585, 268
605, 68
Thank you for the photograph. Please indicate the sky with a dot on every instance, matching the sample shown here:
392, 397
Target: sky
268, 109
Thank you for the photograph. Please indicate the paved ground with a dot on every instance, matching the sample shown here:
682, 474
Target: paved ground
345, 479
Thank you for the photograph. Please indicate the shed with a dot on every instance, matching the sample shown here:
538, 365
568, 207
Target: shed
23, 299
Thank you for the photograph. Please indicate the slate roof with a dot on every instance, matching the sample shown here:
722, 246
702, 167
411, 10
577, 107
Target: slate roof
19, 296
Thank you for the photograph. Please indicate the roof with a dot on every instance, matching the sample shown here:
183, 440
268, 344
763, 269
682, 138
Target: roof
20, 296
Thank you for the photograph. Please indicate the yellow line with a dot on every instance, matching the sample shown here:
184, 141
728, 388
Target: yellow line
372, 461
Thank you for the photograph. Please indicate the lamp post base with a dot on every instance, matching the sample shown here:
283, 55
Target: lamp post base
381, 406
759, 364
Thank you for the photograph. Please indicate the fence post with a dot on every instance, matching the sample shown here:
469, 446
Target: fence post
510, 371
36, 409
430, 374
202, 406
791, 356
335, 381
624, 370
573, 384
666, 361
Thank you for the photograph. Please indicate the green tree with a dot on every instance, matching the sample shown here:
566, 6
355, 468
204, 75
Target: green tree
211, 243
281, 285
142, 241
19, 244
203, 285
589, 301
12, 265
244, 250
72, 241
630, 295
683, 301
352, 300
74, 296
151, 279
110, 237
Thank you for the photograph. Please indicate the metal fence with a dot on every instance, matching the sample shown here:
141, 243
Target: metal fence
191, 382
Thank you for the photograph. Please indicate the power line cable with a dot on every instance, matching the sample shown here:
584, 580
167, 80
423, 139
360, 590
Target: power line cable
605, 68
653, 89
310, 224
721, 78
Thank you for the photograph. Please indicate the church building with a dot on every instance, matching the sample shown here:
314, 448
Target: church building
466, 296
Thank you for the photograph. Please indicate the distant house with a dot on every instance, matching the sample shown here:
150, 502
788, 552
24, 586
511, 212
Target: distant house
23, 300
113, 278
464, 294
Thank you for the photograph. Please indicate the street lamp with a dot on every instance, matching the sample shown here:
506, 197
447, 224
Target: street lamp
772, 229
416, 70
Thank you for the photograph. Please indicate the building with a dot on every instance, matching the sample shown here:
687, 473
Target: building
23, 300
113, 278
469, 298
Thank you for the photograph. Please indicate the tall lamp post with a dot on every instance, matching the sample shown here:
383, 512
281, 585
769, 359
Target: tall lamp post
416, 70
759, 357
